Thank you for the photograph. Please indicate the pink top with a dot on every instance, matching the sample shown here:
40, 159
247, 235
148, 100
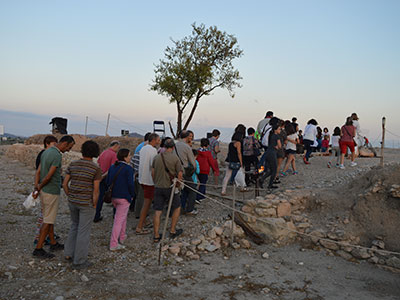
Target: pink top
106, 159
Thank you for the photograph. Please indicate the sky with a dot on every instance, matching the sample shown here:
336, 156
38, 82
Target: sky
309, 59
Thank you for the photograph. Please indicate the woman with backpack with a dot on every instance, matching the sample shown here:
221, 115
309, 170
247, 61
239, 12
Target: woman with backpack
251, 151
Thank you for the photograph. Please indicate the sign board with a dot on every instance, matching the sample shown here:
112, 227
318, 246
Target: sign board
1, 129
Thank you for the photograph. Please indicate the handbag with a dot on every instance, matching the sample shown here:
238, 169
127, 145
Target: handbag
108, 194
234, 165
189, 170
354, 141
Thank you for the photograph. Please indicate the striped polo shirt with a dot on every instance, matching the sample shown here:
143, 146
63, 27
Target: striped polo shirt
83, 173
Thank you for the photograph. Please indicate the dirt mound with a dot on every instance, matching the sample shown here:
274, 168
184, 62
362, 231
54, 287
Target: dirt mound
103, 141
37, 139
376, 206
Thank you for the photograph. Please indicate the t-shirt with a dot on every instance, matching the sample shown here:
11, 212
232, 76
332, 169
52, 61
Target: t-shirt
147, 154
348, 133
325, 143
51, 158
273, 142
290, 145
106, 159
161, 177
310, 132
37, 164
213, 143
185, 153
83, 173
335, 140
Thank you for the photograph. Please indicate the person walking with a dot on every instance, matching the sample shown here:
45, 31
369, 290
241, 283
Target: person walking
251, 151
348, 132
82, 186
106, 159
121, 173
292, 140
48, 187
147, 155
335, 147
309, 138
206, 163
214, 148
166, 166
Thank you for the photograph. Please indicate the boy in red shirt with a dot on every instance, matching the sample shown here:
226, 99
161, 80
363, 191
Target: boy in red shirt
206, 162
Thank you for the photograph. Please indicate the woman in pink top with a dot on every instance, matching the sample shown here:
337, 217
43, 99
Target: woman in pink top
348, 133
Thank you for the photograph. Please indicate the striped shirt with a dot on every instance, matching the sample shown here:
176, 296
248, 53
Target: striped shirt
83, 173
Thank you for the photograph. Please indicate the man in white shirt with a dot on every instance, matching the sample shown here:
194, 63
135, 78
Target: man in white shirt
147, 154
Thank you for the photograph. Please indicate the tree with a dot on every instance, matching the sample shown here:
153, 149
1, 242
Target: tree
194, 67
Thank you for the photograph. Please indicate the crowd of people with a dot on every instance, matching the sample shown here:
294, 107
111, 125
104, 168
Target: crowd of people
144, 178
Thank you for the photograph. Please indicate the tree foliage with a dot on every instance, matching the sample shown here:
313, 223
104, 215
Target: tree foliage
194, 67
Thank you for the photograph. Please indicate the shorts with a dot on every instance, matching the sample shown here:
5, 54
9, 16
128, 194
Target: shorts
161, 199
49, 204
290, 151
216, 172
148, 191
280, 153
345, 144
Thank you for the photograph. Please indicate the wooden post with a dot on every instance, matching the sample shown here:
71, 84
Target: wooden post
233, 214
166, 221
86, 125
383, 139
108, 123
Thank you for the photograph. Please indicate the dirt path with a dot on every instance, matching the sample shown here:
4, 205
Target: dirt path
289, 273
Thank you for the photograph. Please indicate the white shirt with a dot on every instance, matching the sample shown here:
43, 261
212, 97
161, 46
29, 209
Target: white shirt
335, 140
290, 145
147, 154
310, 132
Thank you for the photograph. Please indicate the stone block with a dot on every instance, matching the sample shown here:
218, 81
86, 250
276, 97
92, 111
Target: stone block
284, 209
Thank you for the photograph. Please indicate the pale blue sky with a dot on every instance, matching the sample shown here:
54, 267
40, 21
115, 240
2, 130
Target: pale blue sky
320, 59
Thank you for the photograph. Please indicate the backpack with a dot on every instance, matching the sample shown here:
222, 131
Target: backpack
265, 135
248, 146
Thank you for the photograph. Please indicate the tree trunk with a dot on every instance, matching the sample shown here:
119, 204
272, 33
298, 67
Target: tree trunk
179, 121
189, 119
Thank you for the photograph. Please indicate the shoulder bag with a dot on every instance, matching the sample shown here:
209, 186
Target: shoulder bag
108, 194
189, 170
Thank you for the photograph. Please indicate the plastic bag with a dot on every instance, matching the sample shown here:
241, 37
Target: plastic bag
240, 178
30, 202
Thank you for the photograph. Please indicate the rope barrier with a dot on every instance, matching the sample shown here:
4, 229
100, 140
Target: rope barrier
137, 128
392, 133
286, 228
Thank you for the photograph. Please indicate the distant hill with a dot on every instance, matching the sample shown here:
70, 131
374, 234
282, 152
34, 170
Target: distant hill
13, 136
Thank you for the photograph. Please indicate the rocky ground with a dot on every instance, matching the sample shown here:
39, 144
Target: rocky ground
249, 272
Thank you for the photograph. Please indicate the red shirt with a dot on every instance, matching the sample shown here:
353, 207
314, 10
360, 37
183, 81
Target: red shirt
206, 161
107, 159
325, 143
348, 133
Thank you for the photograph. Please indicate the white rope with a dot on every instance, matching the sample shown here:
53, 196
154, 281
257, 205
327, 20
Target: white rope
291, 230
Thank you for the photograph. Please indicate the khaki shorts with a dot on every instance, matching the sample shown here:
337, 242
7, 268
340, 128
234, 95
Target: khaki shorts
49, 204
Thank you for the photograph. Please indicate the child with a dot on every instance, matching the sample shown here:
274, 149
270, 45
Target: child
335, 146
326, 133
325, 144
292, 140
205, 161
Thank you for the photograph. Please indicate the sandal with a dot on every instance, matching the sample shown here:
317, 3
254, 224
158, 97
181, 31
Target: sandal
148, 225
143, 232
175, 234
157, 239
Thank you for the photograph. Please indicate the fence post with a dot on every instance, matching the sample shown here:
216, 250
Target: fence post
166, 220
383, 139
233, 214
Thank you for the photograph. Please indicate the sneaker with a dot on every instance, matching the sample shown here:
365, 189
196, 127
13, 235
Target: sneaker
353, 164
177, 233
283, 174
329, 164
306, 161
56, 246
118, 247
98, 220
295, 172
194, 212
341, 167
277, 181
198, 201
337, 165
43, 254
85, 265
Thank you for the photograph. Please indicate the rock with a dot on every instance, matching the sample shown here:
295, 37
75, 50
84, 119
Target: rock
251, 203
329, 244
303, 225
247, 209
265, 255
178, 259
274, 228
218, 230
360, 253
378, 243
393, 262
265, 212
9, 274
195, 257
84, 278
12, 267
196, 242
245, 244
235, 246
316, 235
59, 298
264, 204
346, 221
344, 254
211, 248
212, 234
284, 209
237, 230
31, 263
373, 260
174, 249
189, 253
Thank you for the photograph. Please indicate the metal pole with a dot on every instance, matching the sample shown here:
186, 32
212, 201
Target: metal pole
233, 214
383, 139
108, 123
166, 220
86, 125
